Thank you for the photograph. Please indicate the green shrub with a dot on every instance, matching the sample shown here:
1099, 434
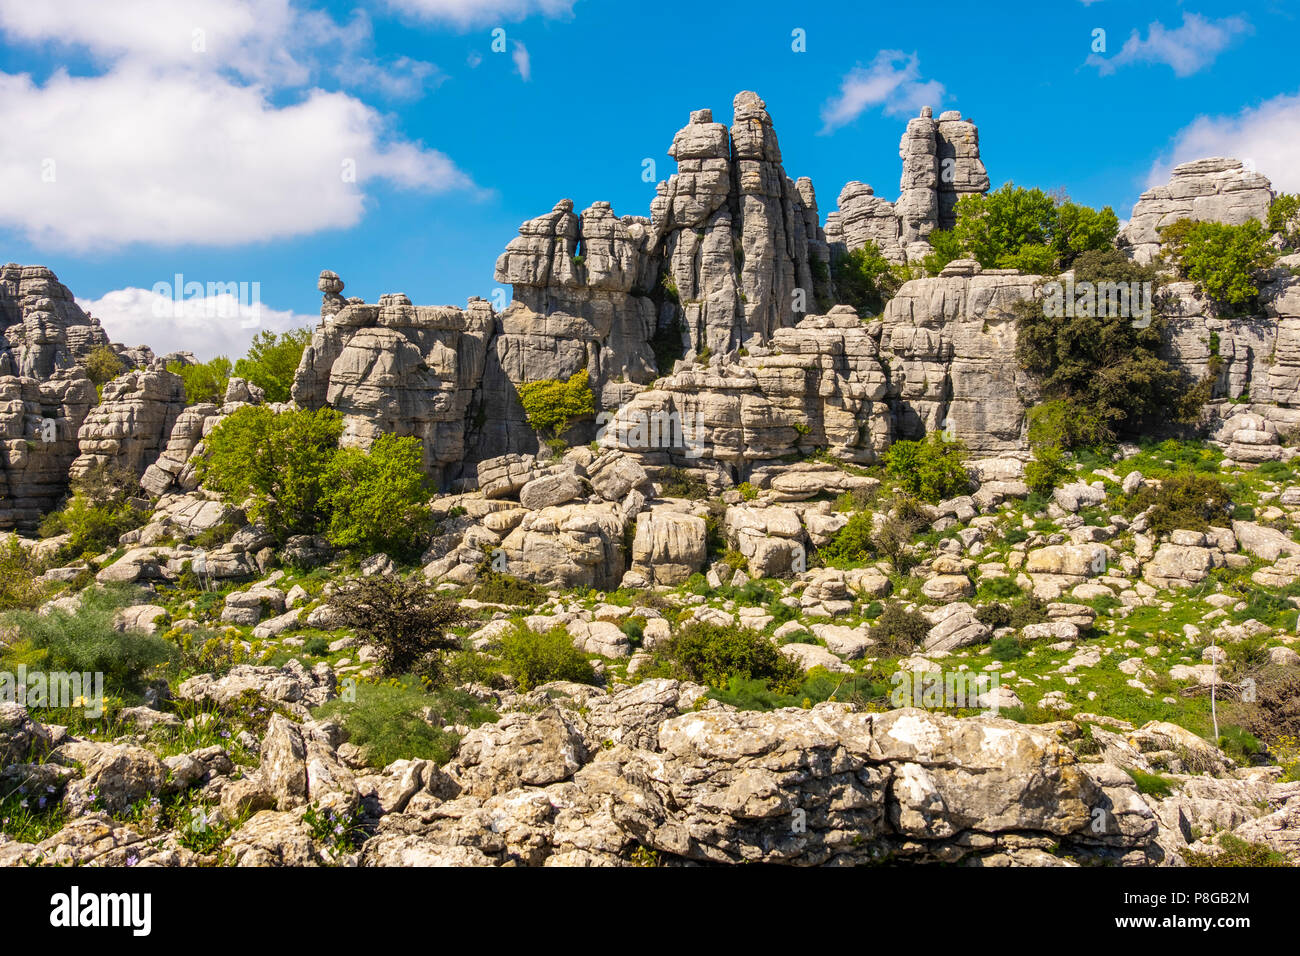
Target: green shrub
103, 365
398, 720
1184, 501
204, 382
19, 570
1223, 260
273, 360
993, 615
864, 279
552, 405
899, 631
683, 483
99, 511
713, 655
404, 617
853, 542
378, 500
1028, 610
1152, 784
1026, 229
1237, 852
1047, 469
494, 587
1006, 648
946, 246
1284, 218
535, 659
277, 460
930, 469
316, 647
85, 641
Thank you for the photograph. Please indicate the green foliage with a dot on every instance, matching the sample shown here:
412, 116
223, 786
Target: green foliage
947, 247
1152, 784
1184, 501
931, 469
864, 279
389, 720
1234, 851
277, 460
103, 365
853, 542
678, 482
1026, 229
1101, 373
404, 617
1221, 259
378, 500
535, 659
19, 570
553, 405
1006, 648
898, 630
494, 587
1284, 218
1047, 469
713, 655
85, 641
204, 382
272, 361
99, 512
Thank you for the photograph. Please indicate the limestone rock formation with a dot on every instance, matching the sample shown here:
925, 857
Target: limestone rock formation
42, 328
131, 425
941, 164
1215, 189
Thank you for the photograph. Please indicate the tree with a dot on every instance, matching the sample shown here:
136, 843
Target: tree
404, 618
1221, 259
204, 382
863, 278
1284, 218
99, 511
553, 405
378, 500
273, 360
277, 461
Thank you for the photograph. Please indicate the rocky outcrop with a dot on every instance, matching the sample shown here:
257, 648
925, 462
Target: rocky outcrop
1205, 190
42, 329
131, 425
397, 368
864, 217
941, 164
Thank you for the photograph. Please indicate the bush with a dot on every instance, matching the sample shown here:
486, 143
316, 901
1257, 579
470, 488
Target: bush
535, 659
1047, 469
1221, 259
1234, 851
378, 500
1006, 648
272, 362
103, 365
19, 570
1026, 229
678, 482
713, 655
853, 542
993, 616
277, 460
497, 588
85, 641
930, 469
97, 514
399, 720
899, 631
404, 618
864, 279
1184, 501
204, 382
1284, 219
552, 406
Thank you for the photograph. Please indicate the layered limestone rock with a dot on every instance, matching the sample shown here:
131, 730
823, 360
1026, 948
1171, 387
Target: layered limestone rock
1205, 190
864, 217
820, 385
131, 425
42, 328
950, 345
941, 164
397, 368
39, 424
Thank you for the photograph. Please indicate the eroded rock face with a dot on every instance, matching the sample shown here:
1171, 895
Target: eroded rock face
950, 346
941, 163
42, 329
1215, 189
399, 369
131, 425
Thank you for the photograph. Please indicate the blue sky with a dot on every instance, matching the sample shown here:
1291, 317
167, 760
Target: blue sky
211, 137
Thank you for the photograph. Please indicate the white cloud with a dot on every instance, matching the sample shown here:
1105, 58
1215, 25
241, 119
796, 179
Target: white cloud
472, 13
523, 63
1187, 49
892, 82
1266, 136
207, 325
138, 155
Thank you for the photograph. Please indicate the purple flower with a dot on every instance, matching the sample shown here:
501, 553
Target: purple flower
132, 859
